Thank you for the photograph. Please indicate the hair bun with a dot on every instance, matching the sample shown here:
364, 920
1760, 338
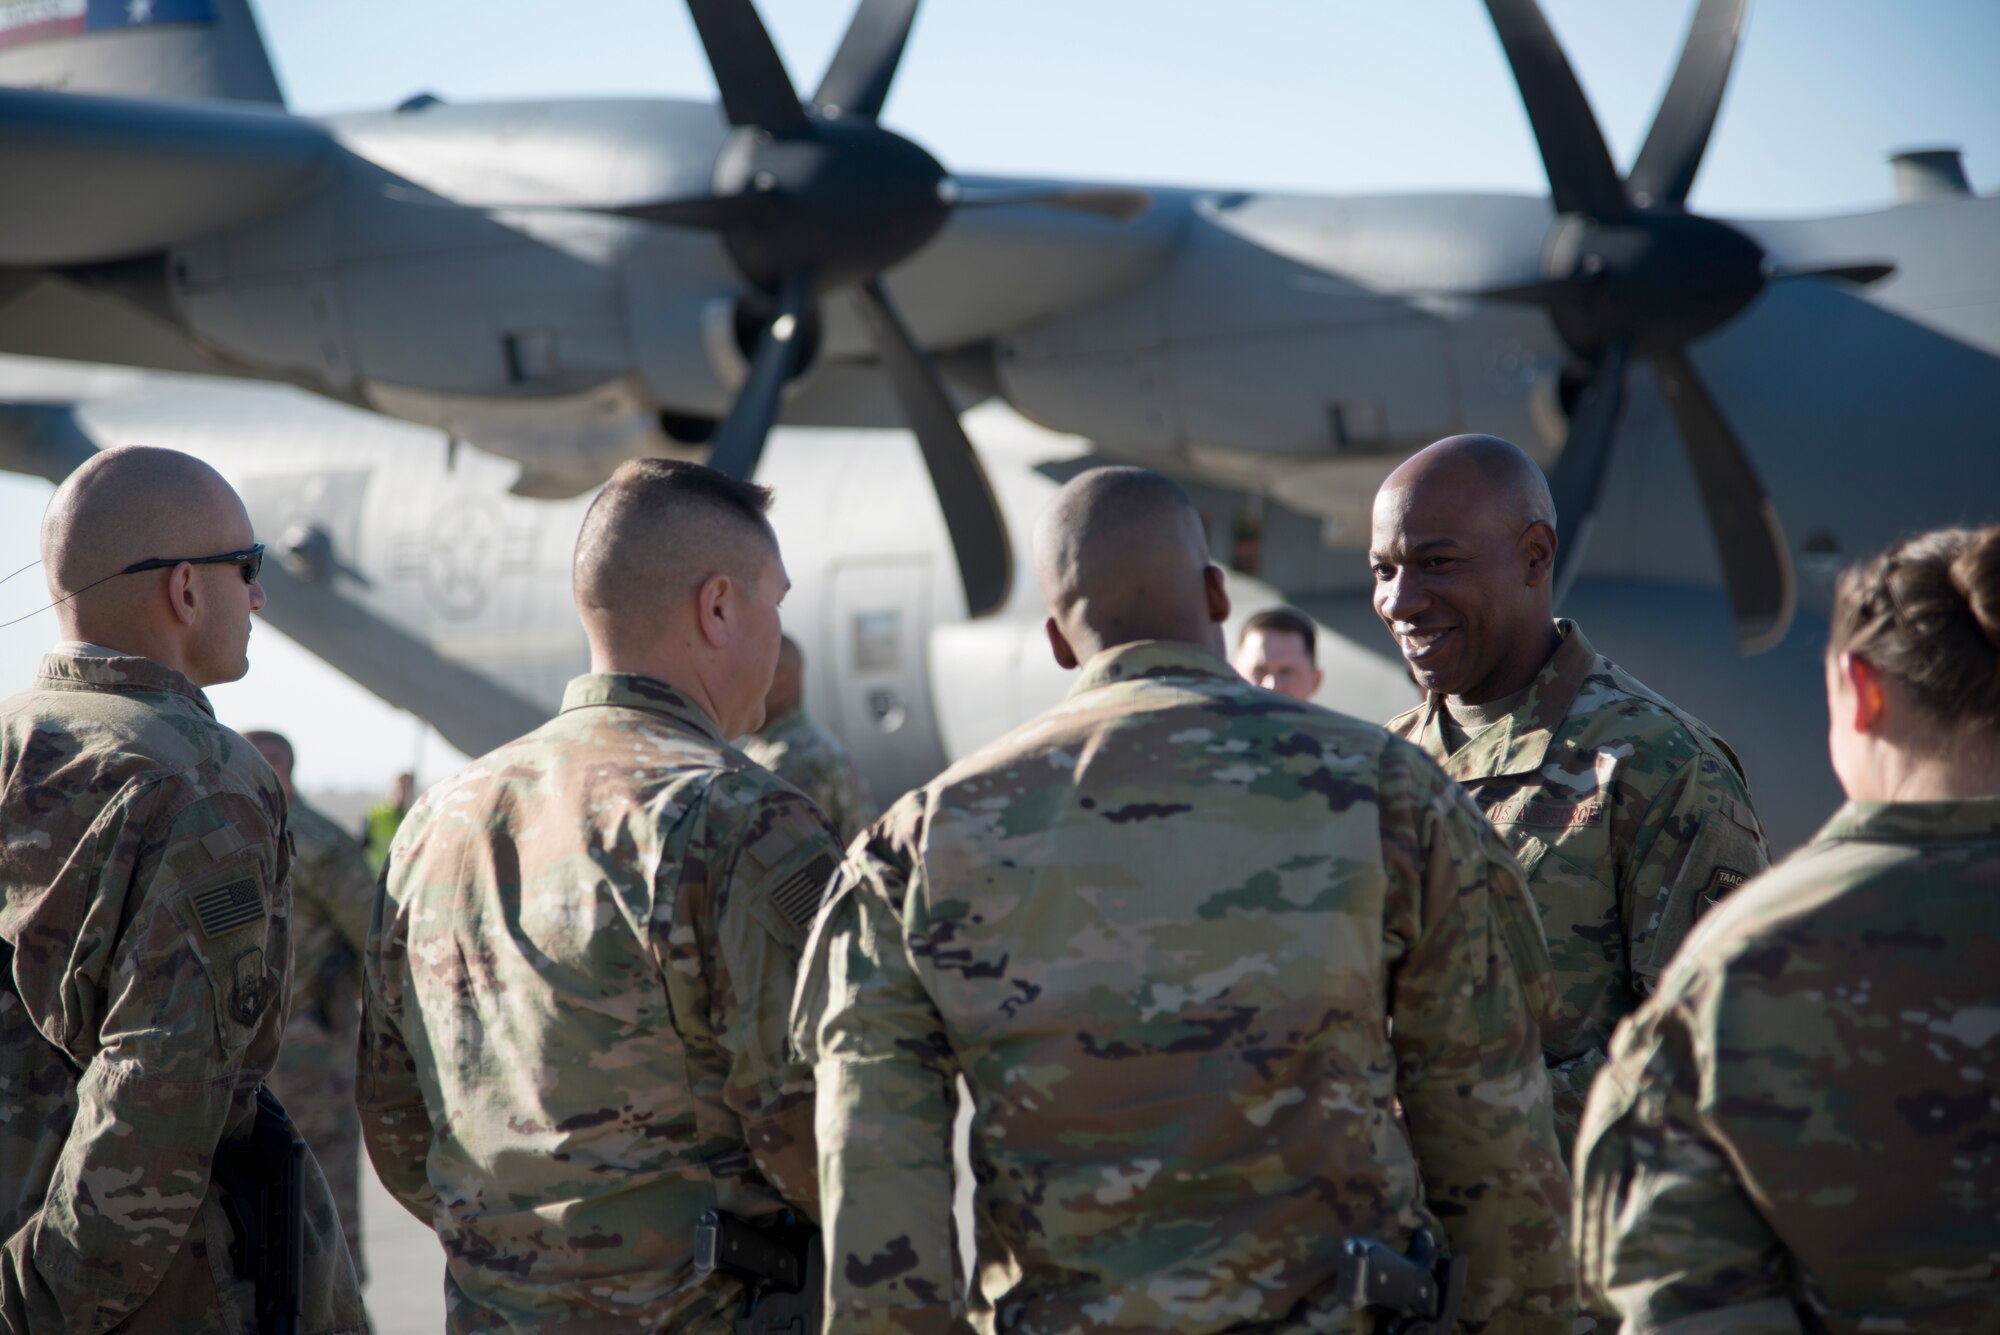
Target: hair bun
1975, 575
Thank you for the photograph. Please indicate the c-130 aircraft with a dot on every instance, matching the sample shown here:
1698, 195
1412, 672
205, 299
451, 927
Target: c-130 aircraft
563, 285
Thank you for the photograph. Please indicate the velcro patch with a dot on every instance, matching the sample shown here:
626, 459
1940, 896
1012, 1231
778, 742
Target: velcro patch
1720, 882
227, 907
798, 896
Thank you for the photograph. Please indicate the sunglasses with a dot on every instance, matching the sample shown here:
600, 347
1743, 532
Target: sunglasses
250, 558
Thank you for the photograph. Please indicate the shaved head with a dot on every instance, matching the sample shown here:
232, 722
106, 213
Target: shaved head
133, 504
1462, 546
1121, 555
657, 530
136, 504
677, 577
1494, 475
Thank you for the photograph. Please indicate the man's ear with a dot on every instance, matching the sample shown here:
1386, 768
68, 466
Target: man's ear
1867, 692
1216, 585
1059, 646
1538, 549
183, 594
715, 609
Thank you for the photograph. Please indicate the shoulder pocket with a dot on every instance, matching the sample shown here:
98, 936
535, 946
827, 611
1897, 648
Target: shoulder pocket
1722, 856
226, 915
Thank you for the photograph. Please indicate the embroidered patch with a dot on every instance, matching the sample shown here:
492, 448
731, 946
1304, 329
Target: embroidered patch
227, 907
1720, 882
252, 990
798, 896
1546, 815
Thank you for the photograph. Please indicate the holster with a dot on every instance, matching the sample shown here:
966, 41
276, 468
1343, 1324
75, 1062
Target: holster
1420, 1291
779, 1263
263, 1180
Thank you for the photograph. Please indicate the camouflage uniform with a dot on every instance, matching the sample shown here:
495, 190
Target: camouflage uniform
144, 944
332, 898
573, 1034
1799, 1132
1161, 932
1629, 817
812, 760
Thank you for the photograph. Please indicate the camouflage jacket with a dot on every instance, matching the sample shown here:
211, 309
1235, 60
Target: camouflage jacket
1628, 816
1799, 1131
573, 1034
1162, 932
144, 942
812, 760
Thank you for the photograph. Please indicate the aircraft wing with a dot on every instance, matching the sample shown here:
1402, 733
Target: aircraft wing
108, 178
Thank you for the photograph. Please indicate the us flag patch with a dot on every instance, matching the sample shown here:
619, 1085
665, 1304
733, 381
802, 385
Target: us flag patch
798, 896
227, 907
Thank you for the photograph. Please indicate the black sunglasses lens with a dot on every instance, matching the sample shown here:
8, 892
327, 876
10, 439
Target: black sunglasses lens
252, 567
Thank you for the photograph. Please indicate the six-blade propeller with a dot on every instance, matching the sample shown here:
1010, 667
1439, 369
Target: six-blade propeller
1631, 273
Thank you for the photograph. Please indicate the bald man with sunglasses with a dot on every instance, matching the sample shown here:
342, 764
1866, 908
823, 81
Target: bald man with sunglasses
145, 937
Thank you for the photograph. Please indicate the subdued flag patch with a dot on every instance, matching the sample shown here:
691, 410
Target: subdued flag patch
798, 895
227, 907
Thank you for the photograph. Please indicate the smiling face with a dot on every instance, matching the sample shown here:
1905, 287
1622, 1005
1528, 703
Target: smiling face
1461, 582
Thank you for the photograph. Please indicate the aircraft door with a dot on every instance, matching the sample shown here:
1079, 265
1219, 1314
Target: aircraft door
880, 639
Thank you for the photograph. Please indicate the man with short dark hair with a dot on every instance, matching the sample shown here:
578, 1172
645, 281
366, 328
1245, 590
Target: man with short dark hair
578, 973
1231, 980
1278, 650
333, 896
793, 746
145, 932
1629, 816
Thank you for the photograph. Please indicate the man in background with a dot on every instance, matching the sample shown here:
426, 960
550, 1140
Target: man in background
379, 826
332, 898
1279, 651
802, 753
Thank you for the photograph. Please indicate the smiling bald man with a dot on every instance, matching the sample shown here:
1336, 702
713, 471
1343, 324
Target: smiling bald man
1629, 816
145, 911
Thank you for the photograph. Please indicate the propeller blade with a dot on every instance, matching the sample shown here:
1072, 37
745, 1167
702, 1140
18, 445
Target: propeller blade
1586, 456
1581, 176
709, 212
752, 80
978, 533
1756, 562
739, 440
1672, 153
1116, 205
857, 82
1863, 272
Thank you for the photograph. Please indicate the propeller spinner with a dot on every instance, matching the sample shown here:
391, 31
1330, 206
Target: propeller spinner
1630, 273
813, 197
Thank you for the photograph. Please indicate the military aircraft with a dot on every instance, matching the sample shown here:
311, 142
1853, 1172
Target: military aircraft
563, 285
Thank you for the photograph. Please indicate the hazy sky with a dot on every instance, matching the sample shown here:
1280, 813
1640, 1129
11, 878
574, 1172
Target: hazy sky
1314, 96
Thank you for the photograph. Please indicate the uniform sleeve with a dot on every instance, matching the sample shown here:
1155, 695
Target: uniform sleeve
345, 889
394, 1123
1664, 1229
1464, 999
1698, 840
885, 1074
198, 972
771, 874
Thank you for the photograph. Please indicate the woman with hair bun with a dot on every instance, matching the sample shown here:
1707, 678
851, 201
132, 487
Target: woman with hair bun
1800, 1131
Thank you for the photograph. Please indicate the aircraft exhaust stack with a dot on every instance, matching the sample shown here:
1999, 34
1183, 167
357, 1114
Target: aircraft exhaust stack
1928, 175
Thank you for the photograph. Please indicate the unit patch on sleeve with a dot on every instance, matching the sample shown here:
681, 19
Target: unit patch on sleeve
1720, 882
227, 907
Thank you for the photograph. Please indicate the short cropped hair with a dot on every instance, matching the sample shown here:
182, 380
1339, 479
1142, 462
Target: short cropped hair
660, 525
1284, 619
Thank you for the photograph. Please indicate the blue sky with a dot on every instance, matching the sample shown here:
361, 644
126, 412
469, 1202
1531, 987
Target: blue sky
1313, 96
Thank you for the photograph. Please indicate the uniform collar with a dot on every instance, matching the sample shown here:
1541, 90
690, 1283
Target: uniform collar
1150, 658
629, 690
1519, 742
1916, 822
792, 720
75, 666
